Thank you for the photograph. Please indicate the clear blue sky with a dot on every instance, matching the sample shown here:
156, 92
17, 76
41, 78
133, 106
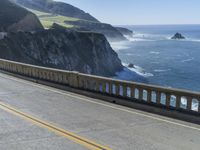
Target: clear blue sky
134, 12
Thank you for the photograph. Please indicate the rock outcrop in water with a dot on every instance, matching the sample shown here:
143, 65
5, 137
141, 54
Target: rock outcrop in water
131, 65
14, 18
59, 48
178, 36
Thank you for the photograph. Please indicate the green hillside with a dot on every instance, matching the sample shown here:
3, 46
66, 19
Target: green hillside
47, 19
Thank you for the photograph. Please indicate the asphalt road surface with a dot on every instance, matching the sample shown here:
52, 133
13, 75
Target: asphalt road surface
38, 117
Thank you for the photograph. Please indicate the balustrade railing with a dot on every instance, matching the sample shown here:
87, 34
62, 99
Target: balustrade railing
159, 96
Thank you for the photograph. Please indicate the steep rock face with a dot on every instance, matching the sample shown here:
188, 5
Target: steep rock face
54, 7
84, 52
15, 18
111, 33
125, 31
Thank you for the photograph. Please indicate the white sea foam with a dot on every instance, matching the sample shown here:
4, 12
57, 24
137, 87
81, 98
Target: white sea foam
155, 52
139, 70
162, 70
195, 40
192, 40
129, 54
155, 62
122, 45
148, 37
157, 37
186, 40
140, 37
188, 60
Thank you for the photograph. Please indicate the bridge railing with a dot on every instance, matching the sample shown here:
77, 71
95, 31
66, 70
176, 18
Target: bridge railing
169, 98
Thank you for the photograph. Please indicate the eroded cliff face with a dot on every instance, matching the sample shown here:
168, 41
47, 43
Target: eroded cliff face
70, 50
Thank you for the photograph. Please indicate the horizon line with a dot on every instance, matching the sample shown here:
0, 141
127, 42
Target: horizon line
154, 24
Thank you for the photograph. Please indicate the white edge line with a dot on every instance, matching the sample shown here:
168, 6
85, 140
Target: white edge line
98, 103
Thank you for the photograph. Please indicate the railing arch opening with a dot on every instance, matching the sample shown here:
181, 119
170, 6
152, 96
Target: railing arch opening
107, 87
195, 104
128, 89
114, 89
144, 95
136, 93
100, 87
153, 96
163, 98
173, 101
184, 102
121, 89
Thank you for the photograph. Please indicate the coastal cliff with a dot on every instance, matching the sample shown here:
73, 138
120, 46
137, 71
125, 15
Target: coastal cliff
64, 49
23, 39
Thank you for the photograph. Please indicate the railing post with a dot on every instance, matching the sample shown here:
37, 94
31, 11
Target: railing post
158, 97
110, 88
189, 103
149, 96
74, 79
103, 87
168, 100
117, 89
140, 93
178, 101
98, 86
132, 88
124, 90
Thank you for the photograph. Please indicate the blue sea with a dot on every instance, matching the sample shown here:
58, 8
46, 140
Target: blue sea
159, 60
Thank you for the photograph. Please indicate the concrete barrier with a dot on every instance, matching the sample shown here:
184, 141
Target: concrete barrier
166, 98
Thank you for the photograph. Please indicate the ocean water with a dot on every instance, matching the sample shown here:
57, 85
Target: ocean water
159, 60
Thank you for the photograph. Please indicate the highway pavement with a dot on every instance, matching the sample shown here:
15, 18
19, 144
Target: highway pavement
38, 117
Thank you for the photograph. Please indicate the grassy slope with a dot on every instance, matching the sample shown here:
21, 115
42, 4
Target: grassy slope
47, 19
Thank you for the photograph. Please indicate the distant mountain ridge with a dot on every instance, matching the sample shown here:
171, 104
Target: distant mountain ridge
54, 7
85, 21
108, 30
15, 18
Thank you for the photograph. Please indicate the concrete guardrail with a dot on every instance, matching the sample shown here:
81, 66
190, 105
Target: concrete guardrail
168, 98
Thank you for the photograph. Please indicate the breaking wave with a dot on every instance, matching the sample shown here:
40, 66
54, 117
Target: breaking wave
139, 70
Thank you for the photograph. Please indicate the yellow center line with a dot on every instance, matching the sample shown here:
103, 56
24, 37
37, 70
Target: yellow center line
69, 135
